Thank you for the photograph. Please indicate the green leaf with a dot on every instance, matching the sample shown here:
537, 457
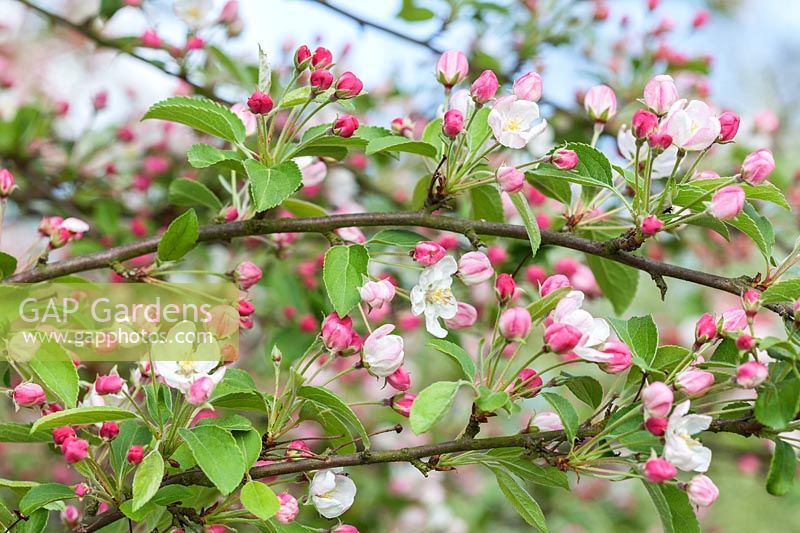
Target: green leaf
784, 291
755, 229
432, 404
478, 129
522, 501
552, 187
269, 186
8, 265
55, 369
204, 155
565, 411
486, 204
186, 192
201, 114
641, 335
264, 72
41, 495
528, 219
37, 522
397, 237
489, 401
325, 399
147, 479
303, 209
79, 416
586, 389
15, 432
782, 469
673, 508
541, 307
209, 445
131, 432
617, 281
259, 499
295, 97
457, 353
396, 143
778, 403
593, 169
180, 237
513, 460
342, 273
249, 443
231, 422
413, 13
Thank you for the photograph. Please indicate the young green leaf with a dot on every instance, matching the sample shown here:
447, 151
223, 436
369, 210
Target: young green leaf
55, 369
674, 509
269, 186
147, 479
617, 281
565, 411
395, 143
641, 335
782, 469
342, 273
180, 237
209, 445
529, 220
457, 353
79, 416
186, 192
41, 495
432, 404
784, 291
8, 264
201, 114
586, 389
522, 501
325, 399
260, 500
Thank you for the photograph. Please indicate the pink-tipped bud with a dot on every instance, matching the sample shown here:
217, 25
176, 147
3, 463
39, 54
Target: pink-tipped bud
345, 528
620, 359
701, 491
694, 382
345, 126
528, 87
29, 395
656, 426
474, 268
465, 317
757, 166
659, 470
562, 338
402, 403
135, 454
453, 123
7, 184
452, 68
727, 202
528, 382
288, 510
751, 300
729, 126
74, 450
510, 179
259, 103
231, 214
600, 103
553, 283
643, 123
321, 58
659, 141
110, 384
484, 88
428, 253
71, 515
564, 159
751, 374
109, 430
660, 93
150, 39
515, 323
348, 86
320, 81
246, 307
657, 399
536, 275
62, 434
400, 380
302, 58
651, 225
706, 329
82, 489
337, 332
200, 391
745, 343
403, 126
505, 287
377, 293
246, 275
701, 18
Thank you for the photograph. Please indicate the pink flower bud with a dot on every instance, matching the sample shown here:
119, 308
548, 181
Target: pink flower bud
246, 307
757, 166
751, 374
546, 421
428, 253
484, 88
302, 58
403, 126
453, 123
62, 434
322, 58
510, 179
515, 323
553, 283
564, 159
195, 43
745, 343
659, 470
452, 68
643, 122
701, 18
288, 510
465, 317
659, 141
694, 382
701, 491
344, 528
536, 275
7, 185
729, 123
474, 268
402, 403
348, 86
660, 93
110, 384
100, 100
727, 202
651, 225
247, 274
345, 126
74, 450
135, 454
320, 81
400, 380
706, 329
82, 489
529, 383
337, 332
600, 103
561, 338
200, 390
150, 39
259, 103
497, 254
620, 359
657, 399
109, 430
29, 395
528, 87
71, 515
656, 426
377, 293
505, 287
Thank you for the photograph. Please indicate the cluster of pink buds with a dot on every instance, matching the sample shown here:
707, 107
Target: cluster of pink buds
339, 336
61, 231
246, 275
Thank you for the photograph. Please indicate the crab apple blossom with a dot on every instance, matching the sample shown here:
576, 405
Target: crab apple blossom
383, 353
289, 509
82, 489
62, 434
246, 275
705, 329
729, 126
109, 430
200, 390
657, 399
302, 57
451, 68
474, 268
71, 515
428, 253
620, 359
321, 58
135, 454
734, 320
536, 275
659, 470
74, 449
510, 179
702, 491
402, 403
433, 296
593, 331
485, 87
553, 283
564, 159
528, 87
515, 122
656, 426
259, 103
680, 448
745, 343
561, 338
692, 125
453, 123
505, 287
546, 421
108, 384
465, 317
7, 184
528, 382
600, 103
643, 123
377, 293
348, 86
660, 93
694, 382
320, 81
399, 380
344, 528
515, 323
651, 225
660, 141
337, 332
751, 374
727, 202
757, 166
332, 492
345, 126
29, 395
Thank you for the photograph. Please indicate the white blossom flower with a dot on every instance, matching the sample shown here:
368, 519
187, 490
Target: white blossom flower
692, 125
515, 122
383, 353
662, 164
434, 297
332, 492
594, 331
195, 13
680, 448
180, 363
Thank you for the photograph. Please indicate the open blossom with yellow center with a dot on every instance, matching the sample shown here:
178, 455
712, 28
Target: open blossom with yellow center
433, 295
680, 448
515, 122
